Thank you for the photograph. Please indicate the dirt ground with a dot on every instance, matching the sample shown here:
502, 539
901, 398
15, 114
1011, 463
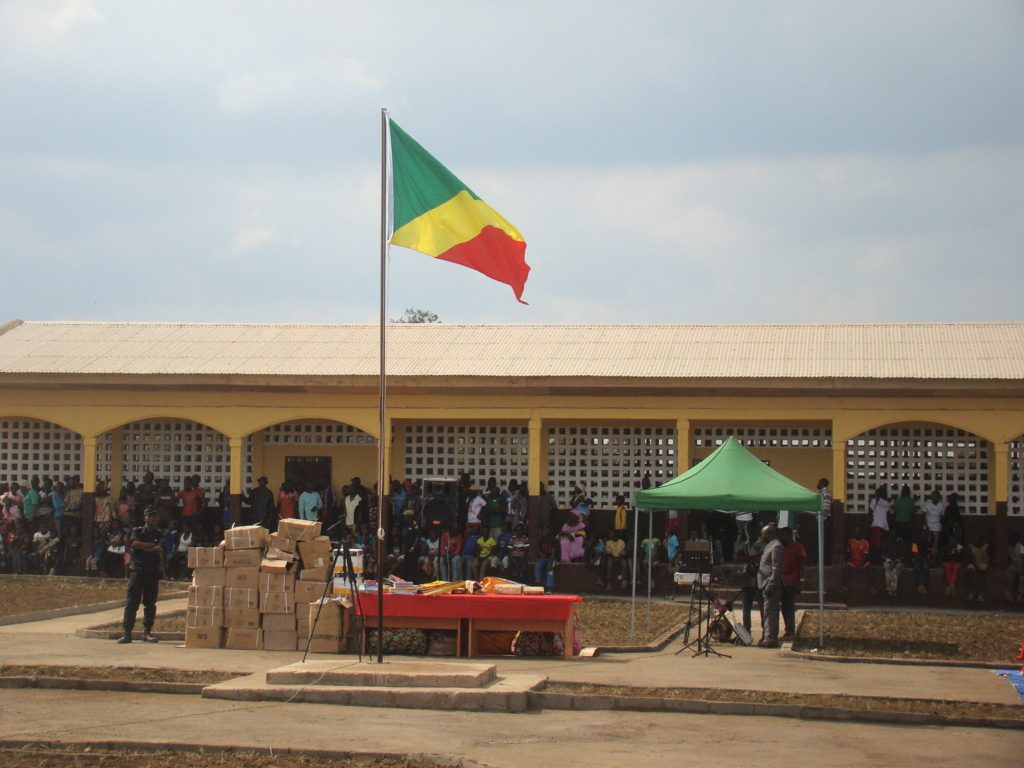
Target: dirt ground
131, 674
31, 594
873, 703
915, 635
71, 756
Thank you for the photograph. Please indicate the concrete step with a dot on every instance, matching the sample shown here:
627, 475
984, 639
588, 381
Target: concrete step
390, 674
507, 694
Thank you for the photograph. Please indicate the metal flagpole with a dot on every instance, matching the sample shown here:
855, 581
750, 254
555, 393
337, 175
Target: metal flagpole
381, 469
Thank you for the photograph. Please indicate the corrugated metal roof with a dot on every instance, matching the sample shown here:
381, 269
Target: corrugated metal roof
909, 351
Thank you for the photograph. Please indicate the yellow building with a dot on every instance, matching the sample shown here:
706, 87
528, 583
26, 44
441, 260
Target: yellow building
933, 406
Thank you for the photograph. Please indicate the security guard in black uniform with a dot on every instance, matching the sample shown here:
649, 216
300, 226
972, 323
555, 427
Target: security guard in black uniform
144, 578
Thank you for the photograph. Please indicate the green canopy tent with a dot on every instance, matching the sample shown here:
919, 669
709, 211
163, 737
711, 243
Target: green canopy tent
732, 479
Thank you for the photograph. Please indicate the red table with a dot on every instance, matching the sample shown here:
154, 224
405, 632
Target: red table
529, 613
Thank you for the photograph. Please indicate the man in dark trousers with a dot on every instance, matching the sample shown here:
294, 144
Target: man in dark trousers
261, 499
144, 577
769, 581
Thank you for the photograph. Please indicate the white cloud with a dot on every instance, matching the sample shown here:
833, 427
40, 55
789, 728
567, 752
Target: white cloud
39, 27
277, 85
252, 238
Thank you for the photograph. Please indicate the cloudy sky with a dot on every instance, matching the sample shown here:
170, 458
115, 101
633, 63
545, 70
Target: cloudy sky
666, 162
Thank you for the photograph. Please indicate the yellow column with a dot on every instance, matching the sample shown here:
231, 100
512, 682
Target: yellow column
117, 461
1000, 488
536, 455
236, 446
839, 469
89, 464
682, 445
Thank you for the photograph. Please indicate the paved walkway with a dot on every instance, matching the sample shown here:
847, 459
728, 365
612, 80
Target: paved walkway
549, 738
54, 642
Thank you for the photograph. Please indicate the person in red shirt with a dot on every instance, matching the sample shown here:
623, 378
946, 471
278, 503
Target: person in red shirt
793, 557
287, 499
190, 499
857, 561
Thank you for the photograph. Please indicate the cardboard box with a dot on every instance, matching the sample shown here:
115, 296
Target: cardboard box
244, 639
279, 622
357, 563
243, 578
280, 641
206, 597
331, 630
319, 575
243, 558
208, 577
283, 543
302, 625
277, 582
318, 547
275, 566
327, 642
308, 591
318, 561
246, 537
241, 598
277, 602
298, 530
204, 637
198, 616
242, 618
334, 617
279, 554
205, 557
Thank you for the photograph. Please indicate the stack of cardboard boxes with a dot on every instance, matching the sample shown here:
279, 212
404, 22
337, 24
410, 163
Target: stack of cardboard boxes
204, 621
265, 587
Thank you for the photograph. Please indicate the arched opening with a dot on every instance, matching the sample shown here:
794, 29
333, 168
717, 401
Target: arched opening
925, 456
172, 449
37, 448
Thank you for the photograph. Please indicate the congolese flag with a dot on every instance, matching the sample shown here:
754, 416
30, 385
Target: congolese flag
438, 215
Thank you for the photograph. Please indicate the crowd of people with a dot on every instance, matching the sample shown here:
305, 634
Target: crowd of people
911, 536
466, 530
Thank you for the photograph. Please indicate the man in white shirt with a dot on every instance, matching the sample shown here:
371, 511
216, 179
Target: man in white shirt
475, 507
933, 509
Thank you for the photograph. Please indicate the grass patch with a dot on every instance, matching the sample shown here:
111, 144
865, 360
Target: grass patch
74, 756
606, 622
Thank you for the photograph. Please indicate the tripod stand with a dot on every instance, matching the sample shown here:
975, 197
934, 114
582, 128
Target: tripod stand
696, 558
343, 552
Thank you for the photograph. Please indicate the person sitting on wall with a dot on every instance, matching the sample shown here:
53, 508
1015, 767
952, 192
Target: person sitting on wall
921, 555
892, 562
573, 538
857, 550
616, 564
977, 559
952, 564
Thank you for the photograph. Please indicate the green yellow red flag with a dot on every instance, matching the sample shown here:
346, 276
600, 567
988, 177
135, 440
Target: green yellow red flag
436, 214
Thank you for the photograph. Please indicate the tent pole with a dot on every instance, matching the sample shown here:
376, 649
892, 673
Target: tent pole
821, 581
650, 563
632, 603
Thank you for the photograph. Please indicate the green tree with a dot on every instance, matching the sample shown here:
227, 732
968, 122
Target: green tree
414, 315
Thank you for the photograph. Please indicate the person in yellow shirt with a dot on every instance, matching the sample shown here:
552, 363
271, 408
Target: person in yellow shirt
615, 558
485, 551
621, 522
